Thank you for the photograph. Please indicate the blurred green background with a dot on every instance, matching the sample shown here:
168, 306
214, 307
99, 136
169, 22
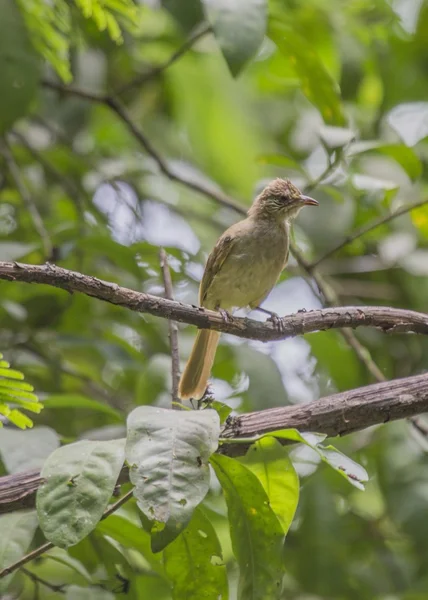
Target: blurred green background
338, 104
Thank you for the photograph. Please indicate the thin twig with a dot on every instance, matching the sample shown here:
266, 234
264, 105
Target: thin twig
26, 198
155, 71
369, 227
52, 586
48, 546
172, 329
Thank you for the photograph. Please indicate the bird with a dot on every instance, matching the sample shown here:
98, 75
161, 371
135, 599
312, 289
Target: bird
241, 270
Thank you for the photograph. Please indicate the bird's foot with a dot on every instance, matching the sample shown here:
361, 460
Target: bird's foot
225, 315
277, 321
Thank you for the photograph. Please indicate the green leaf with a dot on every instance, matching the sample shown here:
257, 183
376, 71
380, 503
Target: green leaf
239, 27
79, 480
345, 466
16, 532
223, 410
19, 66
257, 535
194, 562
168, 452
77, 401
131, 535
270, 463
187, 15
26, 450
316, 82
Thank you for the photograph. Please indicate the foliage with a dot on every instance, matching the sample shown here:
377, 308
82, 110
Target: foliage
331, 94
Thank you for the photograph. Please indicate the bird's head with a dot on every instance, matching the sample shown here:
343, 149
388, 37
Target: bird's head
280, 200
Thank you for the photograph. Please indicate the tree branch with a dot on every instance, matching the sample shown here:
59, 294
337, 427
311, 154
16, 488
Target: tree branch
172, 329
26, 198
118, 108
369, 227
48, 545
389, 320
155, 71
338, 414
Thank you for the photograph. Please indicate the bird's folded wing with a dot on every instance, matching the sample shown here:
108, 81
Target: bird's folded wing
215, 261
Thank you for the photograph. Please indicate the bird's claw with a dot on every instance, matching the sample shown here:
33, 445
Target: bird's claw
277, 322
225, 315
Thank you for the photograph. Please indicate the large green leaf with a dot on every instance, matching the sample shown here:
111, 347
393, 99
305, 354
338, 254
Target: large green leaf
316, 82
16, 532
239, 27
168, 452
79, 480
269, 461
19, 66
194, 562
257, 535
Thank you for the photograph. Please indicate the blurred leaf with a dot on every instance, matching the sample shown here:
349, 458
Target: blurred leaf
270, 463
188, 15
279, 160
410, 121
336, 137
317, 84
19, 66
15, 250
239, 27
131, 536
79, 480
16, 532
194, 562
256, 533
403, 155
77, 401
15, 391
76, 592
27, 450
354, 473
168, 452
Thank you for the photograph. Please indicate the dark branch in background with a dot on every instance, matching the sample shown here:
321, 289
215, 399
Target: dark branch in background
48, 546
387, 319
138, 134
339, 414
26, 198
172, 329
370, 226
155, 71
331, 299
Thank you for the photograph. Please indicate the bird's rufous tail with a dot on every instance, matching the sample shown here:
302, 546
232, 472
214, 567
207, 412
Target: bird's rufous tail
194, 380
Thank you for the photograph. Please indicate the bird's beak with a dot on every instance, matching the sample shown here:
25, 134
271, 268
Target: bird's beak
307, 200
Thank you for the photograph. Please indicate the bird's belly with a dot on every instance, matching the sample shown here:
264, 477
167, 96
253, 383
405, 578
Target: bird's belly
246, 280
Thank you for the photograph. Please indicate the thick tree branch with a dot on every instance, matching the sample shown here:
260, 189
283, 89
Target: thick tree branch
389, 320
339, 414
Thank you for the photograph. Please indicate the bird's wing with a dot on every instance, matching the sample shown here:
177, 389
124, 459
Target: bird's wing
215, 261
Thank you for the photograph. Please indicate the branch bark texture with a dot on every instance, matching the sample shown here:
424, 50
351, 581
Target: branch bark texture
389, 320
339, 414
